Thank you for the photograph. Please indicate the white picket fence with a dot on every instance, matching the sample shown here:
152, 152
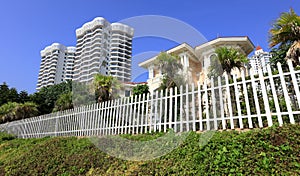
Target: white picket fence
219, 104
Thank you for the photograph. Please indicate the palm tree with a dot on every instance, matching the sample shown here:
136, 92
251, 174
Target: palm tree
15, 111
226, 59
170, 68
7, 112
286, 31
63, 102
103, 87
26, 110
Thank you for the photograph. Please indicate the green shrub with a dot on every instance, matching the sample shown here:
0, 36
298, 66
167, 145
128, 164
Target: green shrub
271, 151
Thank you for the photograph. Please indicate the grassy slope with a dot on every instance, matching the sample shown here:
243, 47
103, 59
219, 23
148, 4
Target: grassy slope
274, 150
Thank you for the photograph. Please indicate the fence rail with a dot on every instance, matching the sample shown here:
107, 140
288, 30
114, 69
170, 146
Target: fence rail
220, 103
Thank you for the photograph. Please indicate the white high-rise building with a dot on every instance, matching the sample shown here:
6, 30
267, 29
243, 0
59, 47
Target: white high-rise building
120, 51
259, 60
56, 65
103, 48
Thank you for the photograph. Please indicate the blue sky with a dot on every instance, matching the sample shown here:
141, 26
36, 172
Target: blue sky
29, 26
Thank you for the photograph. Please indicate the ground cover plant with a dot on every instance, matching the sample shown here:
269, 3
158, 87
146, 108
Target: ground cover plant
274, 150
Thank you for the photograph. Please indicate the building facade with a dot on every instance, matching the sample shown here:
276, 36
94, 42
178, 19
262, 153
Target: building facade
259, 60
120, 52
56, 65
103, 48
196, 61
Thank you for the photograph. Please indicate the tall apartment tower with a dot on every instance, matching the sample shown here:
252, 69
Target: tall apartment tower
259, 60
103, 48
56, 65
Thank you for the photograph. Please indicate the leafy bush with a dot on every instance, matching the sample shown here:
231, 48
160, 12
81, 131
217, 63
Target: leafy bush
16, 111
271, 151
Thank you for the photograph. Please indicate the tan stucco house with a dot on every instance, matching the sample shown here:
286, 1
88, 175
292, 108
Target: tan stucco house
196, 61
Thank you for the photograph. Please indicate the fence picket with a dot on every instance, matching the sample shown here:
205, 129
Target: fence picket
99, 119
214, 108
206, 107
171, 108
294, 80
246, 98
102, 118
175, 109
166, 110
121, 115
285, 93
181, 108
134, 114
147, 111
143, 118
254, 89
229, 106
151, 113
193, 108
89, 119
187, 114
127, 116
155, 111
265, 98
116, 117
161, 101
237, 100
106, 117
200, 108
138, 114
221, 103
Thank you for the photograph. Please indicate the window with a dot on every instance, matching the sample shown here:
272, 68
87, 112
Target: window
127, 93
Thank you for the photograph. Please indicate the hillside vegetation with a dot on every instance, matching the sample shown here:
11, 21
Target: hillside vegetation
260, 151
